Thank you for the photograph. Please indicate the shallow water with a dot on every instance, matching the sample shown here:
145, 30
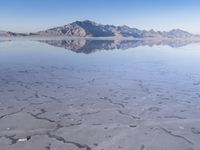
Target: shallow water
99, 95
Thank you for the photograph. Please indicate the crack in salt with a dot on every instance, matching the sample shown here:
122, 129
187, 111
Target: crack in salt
178, 136
61, 139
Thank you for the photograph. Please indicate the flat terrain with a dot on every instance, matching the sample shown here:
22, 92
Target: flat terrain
139, 99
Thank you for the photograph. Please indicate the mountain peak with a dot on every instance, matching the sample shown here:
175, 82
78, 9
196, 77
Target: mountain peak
179, 33
177, 30
88, 22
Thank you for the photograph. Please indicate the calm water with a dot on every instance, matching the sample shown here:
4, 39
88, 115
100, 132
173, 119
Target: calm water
99, 95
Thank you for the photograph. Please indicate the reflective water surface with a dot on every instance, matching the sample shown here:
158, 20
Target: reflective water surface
99, 95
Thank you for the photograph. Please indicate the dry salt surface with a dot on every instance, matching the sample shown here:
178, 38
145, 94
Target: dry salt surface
147, 98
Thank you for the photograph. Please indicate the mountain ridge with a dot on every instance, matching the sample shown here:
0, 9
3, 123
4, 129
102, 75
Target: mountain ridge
89, 28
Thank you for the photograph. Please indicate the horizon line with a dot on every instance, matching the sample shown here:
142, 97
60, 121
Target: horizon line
47, 28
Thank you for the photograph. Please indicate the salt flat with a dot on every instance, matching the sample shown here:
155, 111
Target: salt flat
143, 98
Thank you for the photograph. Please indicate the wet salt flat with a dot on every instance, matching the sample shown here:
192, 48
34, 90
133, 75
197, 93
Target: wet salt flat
99, 95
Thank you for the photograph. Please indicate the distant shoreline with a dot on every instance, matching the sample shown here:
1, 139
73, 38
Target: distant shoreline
94, 38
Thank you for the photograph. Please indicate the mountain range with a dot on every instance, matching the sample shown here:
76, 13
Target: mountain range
9, 34
89, 28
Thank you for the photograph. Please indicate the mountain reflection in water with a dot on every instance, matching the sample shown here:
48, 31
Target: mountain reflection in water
91, 46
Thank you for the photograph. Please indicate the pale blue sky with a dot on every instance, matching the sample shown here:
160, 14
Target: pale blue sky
34, 15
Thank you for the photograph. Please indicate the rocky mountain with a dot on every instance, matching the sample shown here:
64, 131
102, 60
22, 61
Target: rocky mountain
92, 29
80, 29
89, 28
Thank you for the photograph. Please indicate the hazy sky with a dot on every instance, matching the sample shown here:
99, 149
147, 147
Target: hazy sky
34, 15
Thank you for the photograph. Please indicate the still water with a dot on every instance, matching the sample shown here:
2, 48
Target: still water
99, 95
